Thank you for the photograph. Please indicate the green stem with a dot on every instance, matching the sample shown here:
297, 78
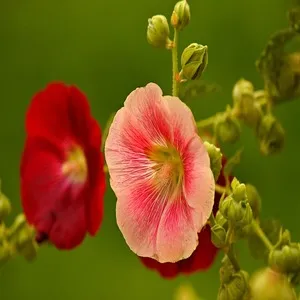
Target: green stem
231, 255
207, 123
259, 232
222, 190
175, 63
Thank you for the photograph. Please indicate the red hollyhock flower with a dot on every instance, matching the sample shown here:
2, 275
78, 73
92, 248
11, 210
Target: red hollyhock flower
201, 259
62, 177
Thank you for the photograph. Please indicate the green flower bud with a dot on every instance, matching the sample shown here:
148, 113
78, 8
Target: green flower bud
158, 32
181, 15
237, 288
194, 60
268, 284
253, 199
215, 156
245, 107
5, 206
271, 135
238, 213
225, 205
220, 220
24, 237
239, 192
218, 236
287, 259
227, 128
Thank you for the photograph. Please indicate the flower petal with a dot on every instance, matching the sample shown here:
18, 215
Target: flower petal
69, 228
50, 202
138, 215
60, 112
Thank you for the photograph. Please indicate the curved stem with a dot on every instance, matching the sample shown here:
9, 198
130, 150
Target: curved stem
231, 255
259, 232
175, 64
207, 123
222, 190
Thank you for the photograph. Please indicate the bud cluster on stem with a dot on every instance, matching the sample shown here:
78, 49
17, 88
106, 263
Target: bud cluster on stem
18, 239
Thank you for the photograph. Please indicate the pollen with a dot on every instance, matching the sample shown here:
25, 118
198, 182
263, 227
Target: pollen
167, 168
75, 166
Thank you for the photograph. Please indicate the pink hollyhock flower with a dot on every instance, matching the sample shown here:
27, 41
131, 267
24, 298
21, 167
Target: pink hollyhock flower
62, 178
201, 259
160, 173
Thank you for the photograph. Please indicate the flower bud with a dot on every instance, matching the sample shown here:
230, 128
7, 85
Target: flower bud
238, 213
245, 107
218, 236
237, 288
239, 192
181, 15
285, 260
271, 135
268, 284
158, 31
5, 206
227, 128
224, 206
215, 157
24, 237
194, 60
219, 219
253, 199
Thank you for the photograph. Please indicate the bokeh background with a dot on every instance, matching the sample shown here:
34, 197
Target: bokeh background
101, 47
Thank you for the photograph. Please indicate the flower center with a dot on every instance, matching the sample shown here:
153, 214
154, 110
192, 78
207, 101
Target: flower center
168, 167
75, 166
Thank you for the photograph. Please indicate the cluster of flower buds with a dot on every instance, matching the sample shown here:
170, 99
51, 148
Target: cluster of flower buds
280, 69
158, 31
235, 208
234, 284
194, 58
285, 257
251, 107
18, 239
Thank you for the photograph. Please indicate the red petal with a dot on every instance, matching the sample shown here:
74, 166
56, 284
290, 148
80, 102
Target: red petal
50, 202
41, 183
166, 270
94, 205
60, 112
69, 228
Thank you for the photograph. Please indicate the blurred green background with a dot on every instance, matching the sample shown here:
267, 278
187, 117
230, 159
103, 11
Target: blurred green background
101, 47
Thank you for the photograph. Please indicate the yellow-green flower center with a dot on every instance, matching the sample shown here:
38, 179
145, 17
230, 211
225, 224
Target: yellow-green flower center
75, 166
168, 167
